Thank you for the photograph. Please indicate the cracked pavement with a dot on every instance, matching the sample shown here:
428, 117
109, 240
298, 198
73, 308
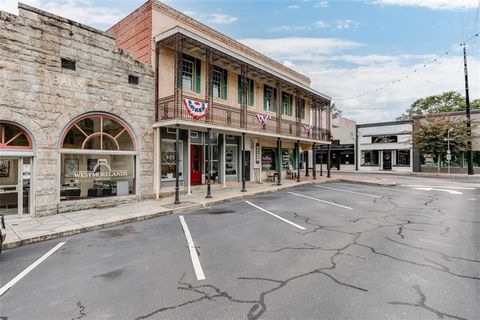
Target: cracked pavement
407, 254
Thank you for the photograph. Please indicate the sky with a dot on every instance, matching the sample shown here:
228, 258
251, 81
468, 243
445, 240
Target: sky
354, 51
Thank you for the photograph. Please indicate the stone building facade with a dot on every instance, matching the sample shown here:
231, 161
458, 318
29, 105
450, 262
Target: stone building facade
72, 107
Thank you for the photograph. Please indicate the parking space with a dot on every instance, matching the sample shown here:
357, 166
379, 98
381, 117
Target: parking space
345, 250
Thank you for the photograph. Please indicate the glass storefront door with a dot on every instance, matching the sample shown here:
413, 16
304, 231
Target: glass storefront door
15, 185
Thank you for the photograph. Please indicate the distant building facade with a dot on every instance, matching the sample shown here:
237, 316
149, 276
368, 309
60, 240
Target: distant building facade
384, 146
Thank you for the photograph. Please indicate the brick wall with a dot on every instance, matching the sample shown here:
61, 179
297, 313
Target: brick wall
134, 33
36, 93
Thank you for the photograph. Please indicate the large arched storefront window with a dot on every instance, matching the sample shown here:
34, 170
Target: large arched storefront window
98, 159
16, 165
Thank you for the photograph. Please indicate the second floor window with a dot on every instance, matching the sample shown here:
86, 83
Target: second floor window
219, 82
287, 102
269, 99
250, 92
301, 108
190, 73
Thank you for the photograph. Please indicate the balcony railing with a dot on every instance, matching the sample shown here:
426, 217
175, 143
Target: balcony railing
230, 117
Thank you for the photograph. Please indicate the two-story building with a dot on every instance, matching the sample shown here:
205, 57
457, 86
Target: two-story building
214, 91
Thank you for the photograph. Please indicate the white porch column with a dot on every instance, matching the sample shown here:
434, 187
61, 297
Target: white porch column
156, 162
20, 186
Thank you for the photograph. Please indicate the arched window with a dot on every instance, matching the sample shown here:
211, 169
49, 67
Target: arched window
98, 132
98, 159
13, 137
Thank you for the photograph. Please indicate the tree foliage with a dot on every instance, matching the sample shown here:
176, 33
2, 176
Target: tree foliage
446, 102
430, 133
335, 112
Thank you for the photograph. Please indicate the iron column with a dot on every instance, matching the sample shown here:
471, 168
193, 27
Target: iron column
279, 157
209, 167
328, 162
243, 163
298, 160
314, 161
177, 153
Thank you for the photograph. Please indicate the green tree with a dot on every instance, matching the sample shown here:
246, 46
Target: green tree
335, 112
430, 133
446, 102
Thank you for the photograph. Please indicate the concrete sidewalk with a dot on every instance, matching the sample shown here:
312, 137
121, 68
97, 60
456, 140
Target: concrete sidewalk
22, 230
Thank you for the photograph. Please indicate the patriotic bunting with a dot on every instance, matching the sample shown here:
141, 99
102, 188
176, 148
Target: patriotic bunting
263, 118
196, 109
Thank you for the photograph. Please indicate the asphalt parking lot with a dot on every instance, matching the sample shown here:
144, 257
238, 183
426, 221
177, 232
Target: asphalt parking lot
330, 251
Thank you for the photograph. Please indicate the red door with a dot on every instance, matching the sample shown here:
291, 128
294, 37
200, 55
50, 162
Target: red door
196, 164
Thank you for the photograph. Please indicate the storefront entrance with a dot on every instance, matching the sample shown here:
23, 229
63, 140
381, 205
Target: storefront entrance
387, 160
15, 185
196, 164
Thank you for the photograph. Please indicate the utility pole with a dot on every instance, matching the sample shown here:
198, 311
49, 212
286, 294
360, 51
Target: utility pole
469, 129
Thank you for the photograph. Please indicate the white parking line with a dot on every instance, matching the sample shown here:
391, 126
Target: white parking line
22, 274
319, 200
350, 191
444, 187
193, 252
276, 216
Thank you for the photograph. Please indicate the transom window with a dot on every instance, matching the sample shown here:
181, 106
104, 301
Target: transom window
13, 137
98, 132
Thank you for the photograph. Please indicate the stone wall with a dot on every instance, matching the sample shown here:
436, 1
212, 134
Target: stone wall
37, 94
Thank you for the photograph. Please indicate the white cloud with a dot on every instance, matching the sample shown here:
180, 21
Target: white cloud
293, 7
316, 25
320, 24
340, 75
291, 48
321, 4
84, 11
432, 4
215, 18
347, 24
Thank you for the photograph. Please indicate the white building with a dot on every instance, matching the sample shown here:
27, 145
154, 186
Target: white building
385, 146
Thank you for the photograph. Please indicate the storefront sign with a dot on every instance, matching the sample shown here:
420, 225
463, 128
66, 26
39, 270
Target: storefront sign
384, 139
196, 109
257, 153
101, 170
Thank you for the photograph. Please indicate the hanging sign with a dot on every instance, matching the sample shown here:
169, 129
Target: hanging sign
263, 118
196, 109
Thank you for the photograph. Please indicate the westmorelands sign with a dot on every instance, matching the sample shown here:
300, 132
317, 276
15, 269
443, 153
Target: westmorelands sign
97, 172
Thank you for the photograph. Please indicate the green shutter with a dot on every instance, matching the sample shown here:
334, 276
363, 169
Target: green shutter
198, 75
224, 84
290, 106
250, 93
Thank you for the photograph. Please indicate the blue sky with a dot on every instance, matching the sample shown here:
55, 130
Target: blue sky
347, 47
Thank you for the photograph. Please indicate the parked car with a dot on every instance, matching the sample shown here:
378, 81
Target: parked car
2, 233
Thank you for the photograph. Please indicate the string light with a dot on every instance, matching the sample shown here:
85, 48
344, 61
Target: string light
404, 77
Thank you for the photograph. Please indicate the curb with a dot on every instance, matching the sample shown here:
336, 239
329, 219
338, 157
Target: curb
66, 233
